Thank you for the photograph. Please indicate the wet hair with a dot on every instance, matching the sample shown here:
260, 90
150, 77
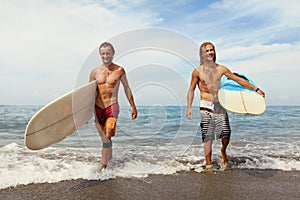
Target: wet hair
203, 45
107, 44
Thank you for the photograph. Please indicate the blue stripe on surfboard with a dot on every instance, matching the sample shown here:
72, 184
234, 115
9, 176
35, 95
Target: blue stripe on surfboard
228, 84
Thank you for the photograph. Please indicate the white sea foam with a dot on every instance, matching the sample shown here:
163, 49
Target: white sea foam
270, 141
22, 166
147, 148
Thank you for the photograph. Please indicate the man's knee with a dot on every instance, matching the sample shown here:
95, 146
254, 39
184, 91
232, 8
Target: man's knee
110, 126
111, 123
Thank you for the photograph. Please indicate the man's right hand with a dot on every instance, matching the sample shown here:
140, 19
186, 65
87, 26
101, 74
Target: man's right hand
189, 114
134, 113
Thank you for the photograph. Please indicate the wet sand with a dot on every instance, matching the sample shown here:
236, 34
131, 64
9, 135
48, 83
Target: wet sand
232, 184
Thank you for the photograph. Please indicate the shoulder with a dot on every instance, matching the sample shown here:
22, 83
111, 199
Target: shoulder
222, 69
197, 70
196, 73
119, 68
94, 71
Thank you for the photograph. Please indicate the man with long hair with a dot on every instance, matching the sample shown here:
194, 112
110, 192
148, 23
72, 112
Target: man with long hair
214, 119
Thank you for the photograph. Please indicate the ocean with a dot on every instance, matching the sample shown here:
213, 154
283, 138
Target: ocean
160, 141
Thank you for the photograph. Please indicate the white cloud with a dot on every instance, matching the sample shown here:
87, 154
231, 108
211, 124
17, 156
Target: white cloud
259, 38
51, 39
284, 11
233, 22
154, 58
273, 67
32, 31
45, 43
277, 54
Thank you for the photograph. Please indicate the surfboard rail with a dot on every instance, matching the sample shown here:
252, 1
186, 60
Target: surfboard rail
61, 117
238, 99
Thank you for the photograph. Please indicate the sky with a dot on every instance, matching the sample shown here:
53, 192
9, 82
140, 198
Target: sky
49, 47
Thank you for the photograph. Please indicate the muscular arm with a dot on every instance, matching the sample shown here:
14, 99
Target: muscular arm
92, 75
241, 81
129, 95
190, 95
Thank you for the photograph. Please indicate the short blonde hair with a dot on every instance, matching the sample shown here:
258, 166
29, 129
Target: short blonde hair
107, 44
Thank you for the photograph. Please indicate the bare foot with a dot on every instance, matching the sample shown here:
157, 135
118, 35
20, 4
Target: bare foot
102, 167
224, 159
208, 168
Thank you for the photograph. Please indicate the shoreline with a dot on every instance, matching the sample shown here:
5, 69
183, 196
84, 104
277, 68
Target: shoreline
231, 184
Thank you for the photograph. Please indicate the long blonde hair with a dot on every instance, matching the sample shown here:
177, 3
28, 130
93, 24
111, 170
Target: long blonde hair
203, 45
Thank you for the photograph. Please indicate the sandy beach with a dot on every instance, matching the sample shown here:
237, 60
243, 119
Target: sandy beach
232, 184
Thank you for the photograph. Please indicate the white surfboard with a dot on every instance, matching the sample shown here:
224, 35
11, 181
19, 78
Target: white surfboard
61, 117
238, 99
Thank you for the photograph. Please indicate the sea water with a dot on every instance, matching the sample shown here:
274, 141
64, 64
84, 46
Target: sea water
160, 141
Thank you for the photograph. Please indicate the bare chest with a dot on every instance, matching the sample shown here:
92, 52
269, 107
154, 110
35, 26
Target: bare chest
108, 77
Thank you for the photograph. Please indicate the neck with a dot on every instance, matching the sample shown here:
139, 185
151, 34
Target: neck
107, 65
209, 64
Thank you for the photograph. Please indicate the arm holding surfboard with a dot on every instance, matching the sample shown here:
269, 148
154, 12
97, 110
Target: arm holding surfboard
221, 70
108, 77
242, 81
214, 119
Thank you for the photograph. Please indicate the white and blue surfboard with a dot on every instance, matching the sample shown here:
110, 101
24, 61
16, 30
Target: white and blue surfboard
238, 99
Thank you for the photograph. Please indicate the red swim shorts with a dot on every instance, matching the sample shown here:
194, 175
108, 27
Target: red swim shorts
107, 117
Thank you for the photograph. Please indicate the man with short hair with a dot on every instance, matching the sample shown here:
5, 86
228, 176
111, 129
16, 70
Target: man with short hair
109, 76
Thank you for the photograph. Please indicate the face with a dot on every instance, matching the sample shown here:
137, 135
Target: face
210, 52
106, 54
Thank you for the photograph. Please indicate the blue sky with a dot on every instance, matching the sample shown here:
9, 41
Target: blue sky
47, 45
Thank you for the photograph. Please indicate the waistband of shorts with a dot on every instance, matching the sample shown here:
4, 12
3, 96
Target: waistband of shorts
207, 104
114, 106
212, 111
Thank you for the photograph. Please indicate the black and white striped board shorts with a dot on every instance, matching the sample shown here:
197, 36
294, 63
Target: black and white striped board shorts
214, 124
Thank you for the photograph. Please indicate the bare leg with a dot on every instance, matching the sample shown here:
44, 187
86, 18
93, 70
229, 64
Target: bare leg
106, 151
225, 143
106, 148
208, 151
